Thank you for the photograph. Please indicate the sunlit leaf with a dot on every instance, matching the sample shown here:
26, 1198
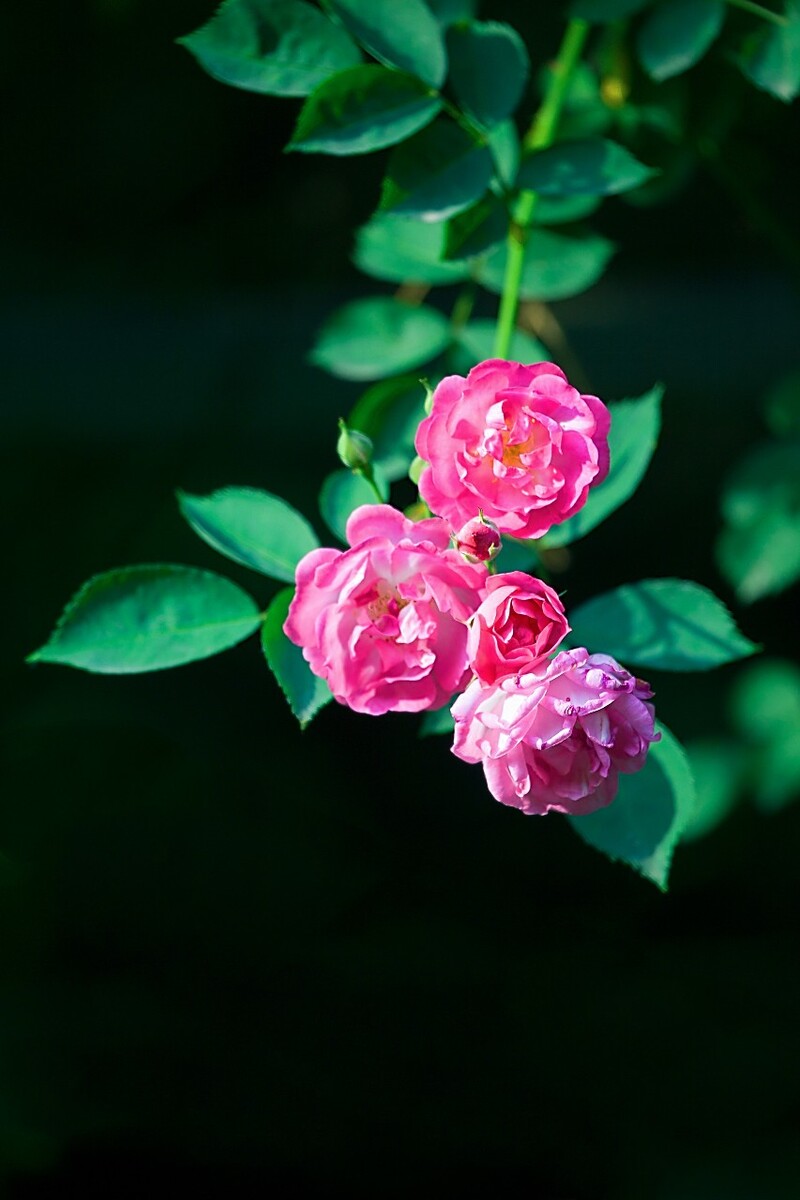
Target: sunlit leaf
676, 34
770, 57
505, 149
555, 265
404, 35
361, 110
478, 229
280, 47
559, 210
765, 707
403, 250
438, 722
447, 12
305, 692
389, 413
372, 338
584, 167
147, 618
719, 768
252, 527
668, 624
475, 343
645, 822
342, 493
489, 69
759, 548
436, 173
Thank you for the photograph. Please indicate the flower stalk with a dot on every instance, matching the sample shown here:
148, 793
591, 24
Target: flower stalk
539, 137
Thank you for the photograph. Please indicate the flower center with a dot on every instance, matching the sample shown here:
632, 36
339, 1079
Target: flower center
384, 601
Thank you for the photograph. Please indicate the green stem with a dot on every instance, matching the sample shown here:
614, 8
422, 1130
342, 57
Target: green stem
370, 478
540, 136
462, 309
758, 10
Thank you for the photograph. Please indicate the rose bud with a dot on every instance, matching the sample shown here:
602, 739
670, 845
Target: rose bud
354, 448
479, 540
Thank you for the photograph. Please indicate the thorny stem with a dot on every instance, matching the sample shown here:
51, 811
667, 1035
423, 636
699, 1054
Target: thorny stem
540, 136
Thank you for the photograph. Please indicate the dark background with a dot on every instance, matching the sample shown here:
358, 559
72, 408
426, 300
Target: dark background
235, 956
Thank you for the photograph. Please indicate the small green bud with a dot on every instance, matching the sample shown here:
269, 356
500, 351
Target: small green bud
354, 448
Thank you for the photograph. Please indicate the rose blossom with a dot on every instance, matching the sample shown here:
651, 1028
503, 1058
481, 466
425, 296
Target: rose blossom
518, 623
557, 737
384, 622
517, 442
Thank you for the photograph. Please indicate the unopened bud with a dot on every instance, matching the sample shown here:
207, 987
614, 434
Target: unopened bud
354, 448
479, 540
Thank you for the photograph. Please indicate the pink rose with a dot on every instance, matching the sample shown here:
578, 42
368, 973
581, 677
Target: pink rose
558, 737
518, 623
517, 442
384, 623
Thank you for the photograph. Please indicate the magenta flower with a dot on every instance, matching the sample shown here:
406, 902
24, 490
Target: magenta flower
515, 442
384, 623
518, 623
557, 738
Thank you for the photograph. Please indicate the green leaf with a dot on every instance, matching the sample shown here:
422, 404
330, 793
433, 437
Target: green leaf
252, 527
676, 34
489, 69
635, 426
305, 692
447, 12
389, 413
148, 618
718, 766
602, 12
279, 47
437, 173
758, 551
765, 706
584, 167
558, 210
518, 555
771, 57
477, 229
505, 148
402, 250
643, 825
361, 110
342, 493
668, 624
555, 265
404, 35
475, 343
372, 338
440, 721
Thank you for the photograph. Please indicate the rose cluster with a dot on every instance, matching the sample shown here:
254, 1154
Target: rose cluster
410, 615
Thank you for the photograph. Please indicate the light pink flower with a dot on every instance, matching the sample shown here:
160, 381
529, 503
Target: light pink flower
518, 623
517, 442
384, 623
558, 737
